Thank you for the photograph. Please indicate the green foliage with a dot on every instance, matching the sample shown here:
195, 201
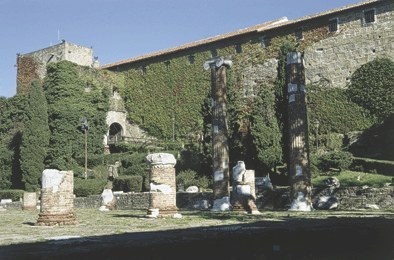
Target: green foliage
99, 172
376, 142
264, 129
15, 195
12, 116
351, 178
335, 160
162, 91
135, 164
35, 138
188, 178
372, 87
72, 95
84, 188
334, 111
128, 183
370, 165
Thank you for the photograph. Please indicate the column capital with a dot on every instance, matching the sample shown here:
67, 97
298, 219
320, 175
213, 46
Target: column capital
216, 62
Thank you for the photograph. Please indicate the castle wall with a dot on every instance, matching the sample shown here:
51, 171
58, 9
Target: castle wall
32, 66
335, 58
330, 57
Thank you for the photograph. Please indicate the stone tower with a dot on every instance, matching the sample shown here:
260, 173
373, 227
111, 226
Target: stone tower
32, 66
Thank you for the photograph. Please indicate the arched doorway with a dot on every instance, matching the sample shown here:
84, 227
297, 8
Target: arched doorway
115, 133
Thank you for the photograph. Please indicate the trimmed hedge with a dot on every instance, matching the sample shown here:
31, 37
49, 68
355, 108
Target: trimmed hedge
15, 195
128, 183
374, 166
84, 188
335, 160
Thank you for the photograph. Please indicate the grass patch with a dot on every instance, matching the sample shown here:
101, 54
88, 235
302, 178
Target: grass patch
352, 178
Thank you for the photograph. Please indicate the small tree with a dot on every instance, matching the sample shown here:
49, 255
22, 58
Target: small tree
35, 138
265, 130
372, 87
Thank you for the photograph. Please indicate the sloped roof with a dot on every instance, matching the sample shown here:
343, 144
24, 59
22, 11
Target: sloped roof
257, 28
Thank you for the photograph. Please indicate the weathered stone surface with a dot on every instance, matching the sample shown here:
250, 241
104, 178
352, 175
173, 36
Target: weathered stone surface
222, 204
162, 195
300, 203
326, 203
239, 171
57, 198
161, 160
108, 200
166, 189
29, 201
332, 182
192, 189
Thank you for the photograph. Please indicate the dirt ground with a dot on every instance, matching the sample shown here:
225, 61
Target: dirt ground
201, 235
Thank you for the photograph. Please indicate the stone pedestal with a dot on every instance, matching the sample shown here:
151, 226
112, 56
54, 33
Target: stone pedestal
29, 201
57, 198
162, 195
244, 191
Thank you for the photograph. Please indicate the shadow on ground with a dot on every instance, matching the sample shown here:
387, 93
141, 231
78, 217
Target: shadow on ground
286, 238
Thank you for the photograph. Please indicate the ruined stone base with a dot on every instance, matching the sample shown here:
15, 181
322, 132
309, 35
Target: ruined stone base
239, 207
29, 208
162, 212
245, 206
46, 219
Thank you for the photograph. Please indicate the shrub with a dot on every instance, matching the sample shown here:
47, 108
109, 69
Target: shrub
99, 172
372, 87
128, 183
188, 178
84, 188
336, 159
15, 195
374, 166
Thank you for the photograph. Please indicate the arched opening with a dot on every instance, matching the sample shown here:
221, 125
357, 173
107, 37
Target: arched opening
115, 133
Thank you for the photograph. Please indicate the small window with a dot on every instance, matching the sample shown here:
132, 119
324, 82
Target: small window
333, 25
238, 48
214, 53
369, 16
191, 59
299, 34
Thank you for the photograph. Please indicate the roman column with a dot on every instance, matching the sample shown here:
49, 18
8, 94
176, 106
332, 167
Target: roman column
221, 176
298, 161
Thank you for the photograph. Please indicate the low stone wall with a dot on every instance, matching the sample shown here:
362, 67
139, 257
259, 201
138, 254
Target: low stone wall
349, 198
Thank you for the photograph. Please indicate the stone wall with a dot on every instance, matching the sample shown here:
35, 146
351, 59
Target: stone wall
335, 58
41, 58
350, 198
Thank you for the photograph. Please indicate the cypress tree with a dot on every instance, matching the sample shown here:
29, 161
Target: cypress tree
265, 131
35, 138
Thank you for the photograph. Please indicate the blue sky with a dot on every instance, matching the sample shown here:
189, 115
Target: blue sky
121, 29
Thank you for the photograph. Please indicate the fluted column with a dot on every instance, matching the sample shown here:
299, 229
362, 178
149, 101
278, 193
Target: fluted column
220, 156
299, 167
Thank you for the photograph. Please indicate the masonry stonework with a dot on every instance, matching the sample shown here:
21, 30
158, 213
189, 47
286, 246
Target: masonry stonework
57, 199
38, 61
334, 59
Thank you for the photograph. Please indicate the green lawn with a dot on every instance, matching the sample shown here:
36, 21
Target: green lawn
352, 178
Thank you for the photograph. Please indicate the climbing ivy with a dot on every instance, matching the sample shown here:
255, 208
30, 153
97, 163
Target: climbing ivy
73, 94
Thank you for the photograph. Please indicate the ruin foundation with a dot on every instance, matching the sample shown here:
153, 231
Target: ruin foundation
57, 199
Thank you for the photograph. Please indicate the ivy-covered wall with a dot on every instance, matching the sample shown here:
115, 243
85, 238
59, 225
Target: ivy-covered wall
166, 94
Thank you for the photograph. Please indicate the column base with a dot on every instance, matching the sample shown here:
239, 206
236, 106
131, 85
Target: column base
47, 219
161, 212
